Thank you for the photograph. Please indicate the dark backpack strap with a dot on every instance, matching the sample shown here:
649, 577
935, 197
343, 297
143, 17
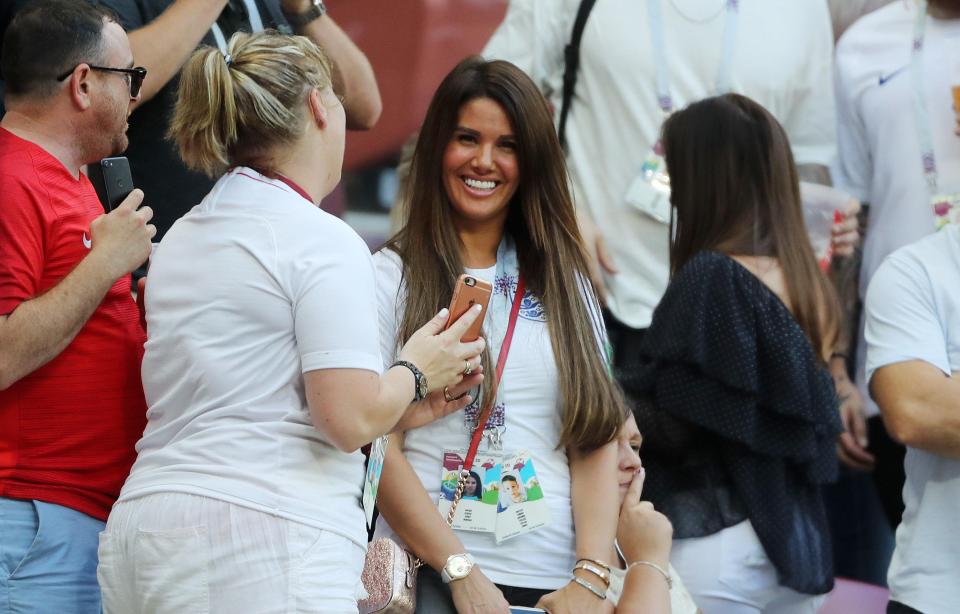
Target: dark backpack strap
571, 57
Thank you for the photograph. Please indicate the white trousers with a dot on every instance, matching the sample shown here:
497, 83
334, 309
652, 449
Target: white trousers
175, 553
729, 573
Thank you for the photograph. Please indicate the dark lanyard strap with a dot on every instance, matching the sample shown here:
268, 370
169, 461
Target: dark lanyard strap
501, 362
571, 55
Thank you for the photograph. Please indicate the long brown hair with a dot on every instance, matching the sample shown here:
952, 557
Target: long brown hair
734, 189
543, 225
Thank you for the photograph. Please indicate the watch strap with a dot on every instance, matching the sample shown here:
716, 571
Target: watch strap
419, 379
317, 10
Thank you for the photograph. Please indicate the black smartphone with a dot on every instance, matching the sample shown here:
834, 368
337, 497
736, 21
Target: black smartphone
112, 181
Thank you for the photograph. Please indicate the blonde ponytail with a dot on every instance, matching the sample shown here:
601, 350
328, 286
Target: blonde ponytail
236, 113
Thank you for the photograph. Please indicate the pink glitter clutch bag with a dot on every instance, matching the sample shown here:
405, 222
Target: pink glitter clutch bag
390, 578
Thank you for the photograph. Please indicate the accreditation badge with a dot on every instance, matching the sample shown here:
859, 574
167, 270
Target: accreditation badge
522, 507
946, 209
477, 510
371, 480
649, 192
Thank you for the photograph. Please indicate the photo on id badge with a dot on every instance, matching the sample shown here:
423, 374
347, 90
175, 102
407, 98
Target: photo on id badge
477, 510
521, 507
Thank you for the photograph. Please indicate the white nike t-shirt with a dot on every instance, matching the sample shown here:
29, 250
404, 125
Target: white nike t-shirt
880, 160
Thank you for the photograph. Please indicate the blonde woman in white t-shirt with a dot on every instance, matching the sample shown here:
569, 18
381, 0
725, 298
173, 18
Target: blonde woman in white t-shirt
488, 194
262, 371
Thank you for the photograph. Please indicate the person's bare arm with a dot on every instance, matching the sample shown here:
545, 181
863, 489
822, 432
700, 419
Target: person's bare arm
405, 504
352, 407
844, 276
600, 260
594, 496
920, 406
163, 45
39, 329
353, 76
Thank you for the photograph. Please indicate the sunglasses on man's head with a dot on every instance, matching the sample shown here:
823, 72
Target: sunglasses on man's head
135, 76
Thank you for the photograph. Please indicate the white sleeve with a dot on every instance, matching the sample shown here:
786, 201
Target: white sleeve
330, 281
533, 36
810, 123
901, 316
854, 168
391, 299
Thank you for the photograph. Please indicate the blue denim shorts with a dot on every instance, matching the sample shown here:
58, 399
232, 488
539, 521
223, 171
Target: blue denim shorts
48, 559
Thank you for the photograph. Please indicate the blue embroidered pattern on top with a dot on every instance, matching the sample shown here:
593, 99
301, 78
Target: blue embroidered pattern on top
505, 285
531, 308
498, 416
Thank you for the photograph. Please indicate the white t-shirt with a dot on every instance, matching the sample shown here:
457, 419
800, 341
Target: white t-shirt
252, 288
782, 59
543, 558
879, 146
913, 313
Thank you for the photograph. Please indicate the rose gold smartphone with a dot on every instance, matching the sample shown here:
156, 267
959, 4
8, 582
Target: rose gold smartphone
470, 291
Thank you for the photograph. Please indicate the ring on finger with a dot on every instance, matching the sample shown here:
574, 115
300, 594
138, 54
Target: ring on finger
467, 368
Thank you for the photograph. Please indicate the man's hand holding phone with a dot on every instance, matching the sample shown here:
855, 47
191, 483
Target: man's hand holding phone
121, 239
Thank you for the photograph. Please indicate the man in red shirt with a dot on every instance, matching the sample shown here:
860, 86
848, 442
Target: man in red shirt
71, 402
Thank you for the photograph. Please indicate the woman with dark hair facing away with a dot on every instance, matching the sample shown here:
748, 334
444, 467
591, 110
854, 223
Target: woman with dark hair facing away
488, 195
262, 370
736, 406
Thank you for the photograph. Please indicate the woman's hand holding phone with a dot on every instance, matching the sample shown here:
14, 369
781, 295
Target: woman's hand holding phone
447, 351
440, 354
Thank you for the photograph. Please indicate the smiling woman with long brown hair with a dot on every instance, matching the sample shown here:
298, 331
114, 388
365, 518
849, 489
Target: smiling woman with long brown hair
488, 195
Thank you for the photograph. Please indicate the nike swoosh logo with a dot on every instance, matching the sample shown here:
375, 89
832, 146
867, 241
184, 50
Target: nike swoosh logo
86, 241
884, 79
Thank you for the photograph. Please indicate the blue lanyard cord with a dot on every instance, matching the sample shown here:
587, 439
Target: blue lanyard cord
928, 159
724, 79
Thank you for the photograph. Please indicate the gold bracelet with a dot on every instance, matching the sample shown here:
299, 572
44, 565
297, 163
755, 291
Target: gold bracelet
595, 562
597, 571
666, 576
593, 589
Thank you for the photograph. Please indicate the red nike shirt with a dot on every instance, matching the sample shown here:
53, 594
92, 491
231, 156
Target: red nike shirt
67, 430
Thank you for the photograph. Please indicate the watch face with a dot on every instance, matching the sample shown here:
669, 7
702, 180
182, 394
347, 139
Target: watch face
459, 568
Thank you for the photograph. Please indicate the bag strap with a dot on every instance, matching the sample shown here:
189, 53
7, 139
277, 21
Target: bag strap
485, 415
571, 57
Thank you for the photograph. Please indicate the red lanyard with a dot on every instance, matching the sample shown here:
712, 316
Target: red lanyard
501, 362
